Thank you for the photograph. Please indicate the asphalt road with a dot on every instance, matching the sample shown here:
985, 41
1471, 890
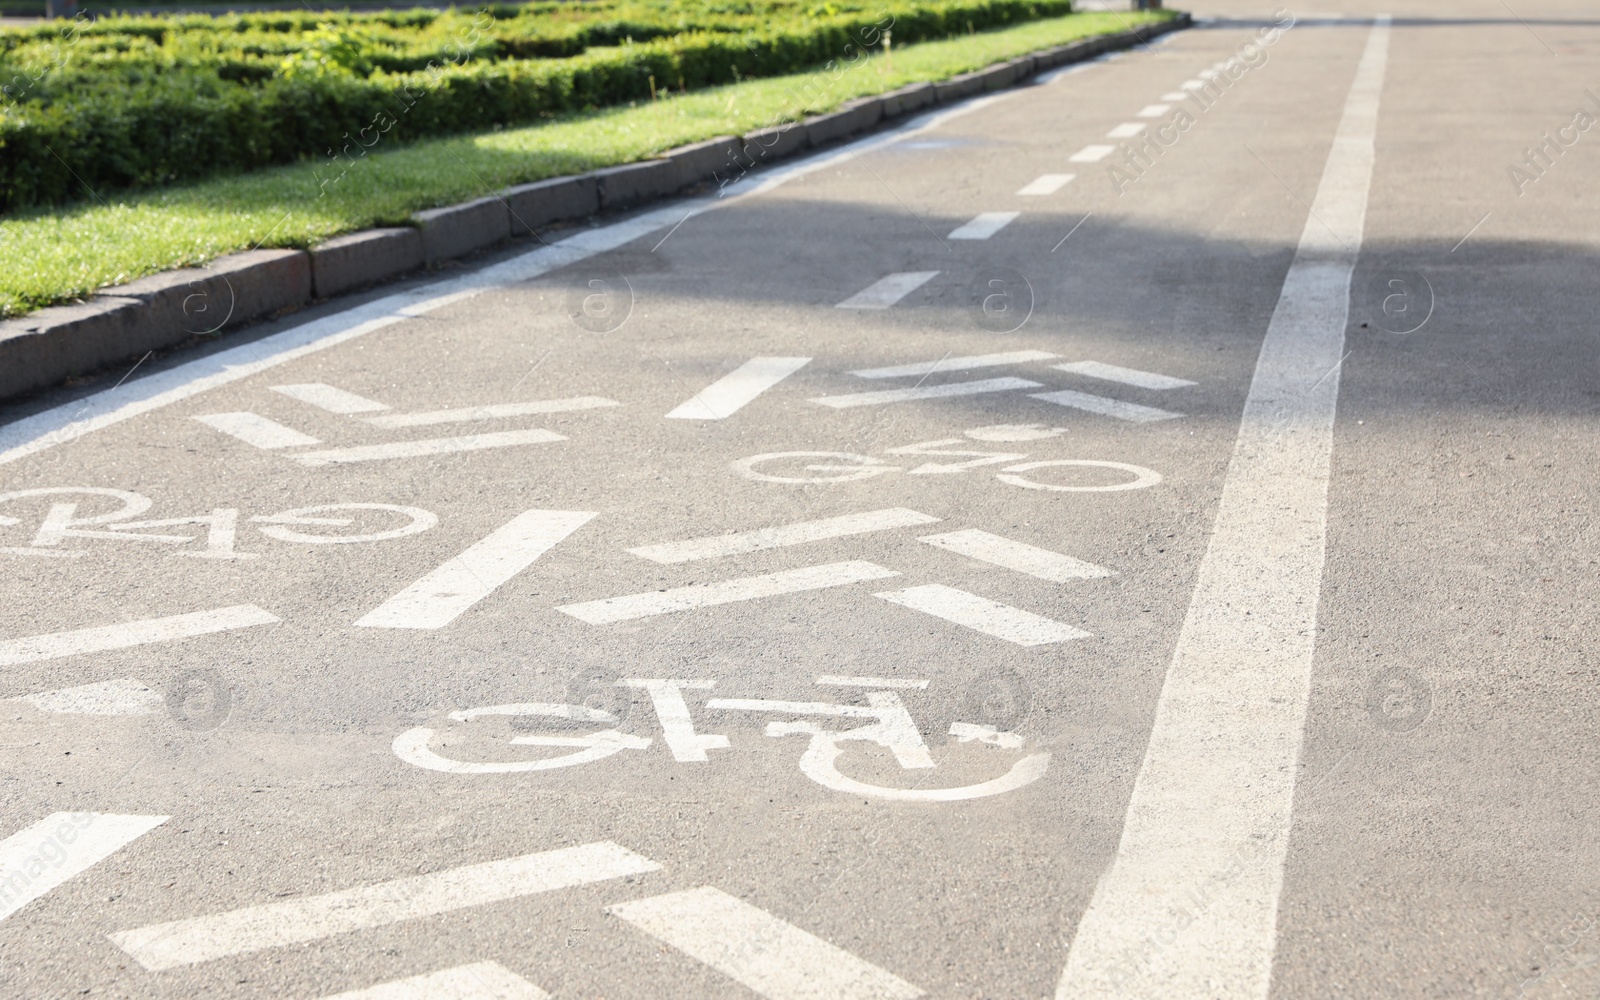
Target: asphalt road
910, 574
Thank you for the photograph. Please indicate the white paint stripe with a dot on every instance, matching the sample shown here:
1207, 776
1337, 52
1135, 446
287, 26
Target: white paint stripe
888, 290
479, 981
724, 397
1192, 85
922, 369
1106, 407
296, 921
124, 696
492, 411
983, 226
1189, 906
749, 588
983, 615
1018, 556
426, 446
36, 860
448, 592
328, 397
1046, 184
770, 956
718, 546
256, 430
1127, 130
833, 680
1176, 95
1127, 376
925, 392
139, 633
1091, 154
1153, 110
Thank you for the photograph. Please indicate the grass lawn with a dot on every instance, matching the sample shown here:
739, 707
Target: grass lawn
61, 254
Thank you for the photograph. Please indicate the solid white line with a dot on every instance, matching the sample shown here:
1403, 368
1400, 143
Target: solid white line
128, 634
1153, 110
718, 546
1127, 376
328, 397
1189, 906
983, 226
448, 592
925, 392
124, 696
705, 595
773, 957
426, 446
1104, 406
888, 290
983, 615
923, 369
833, 680
1126, 130
1019, 556
1046, 184
38, 859
724, 397
1091, 154
491, 411
256, 430
296, 921
478, 981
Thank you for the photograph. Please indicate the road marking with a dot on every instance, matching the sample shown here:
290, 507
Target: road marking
128, 634
1127, 376
724, 397
124, 696
677, 724
888, 290
448, 592
1176, 95
296, 921
1127, 130
1046, 184
1105, 407
1091, 154
492, 411
36, 860
1018, 556
925, 392
426, 446
705, 595
773, 957
1189, 905
1192, 85
330, 398
922, 369
1153, 110
983, 615
833, 680
719, 546
983, 226
256, 430
479, 981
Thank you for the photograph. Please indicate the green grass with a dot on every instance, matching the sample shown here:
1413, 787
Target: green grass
63, 254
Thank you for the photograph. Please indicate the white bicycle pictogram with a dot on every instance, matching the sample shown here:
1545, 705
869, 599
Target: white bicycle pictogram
807, 467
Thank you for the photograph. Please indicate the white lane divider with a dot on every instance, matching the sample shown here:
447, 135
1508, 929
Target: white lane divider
888, 290
450, 591
1154, 110
123, 696
1192, 85
983, 615
1127, 130
257, 431
799, 533
1132, 412
128, 634
769, 955
329, 397
922, 369
426, 446
983, 226
1127, 376
925, 392
40, 858
478, 981
1019, 556
728, 394
491, 411
1189, 906
1046, 184
1091, 154
663, 602
297, 921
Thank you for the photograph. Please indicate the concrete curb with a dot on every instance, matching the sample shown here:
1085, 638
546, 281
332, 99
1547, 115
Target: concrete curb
123, 323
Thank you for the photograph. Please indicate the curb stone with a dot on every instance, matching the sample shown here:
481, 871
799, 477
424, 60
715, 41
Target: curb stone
122, 323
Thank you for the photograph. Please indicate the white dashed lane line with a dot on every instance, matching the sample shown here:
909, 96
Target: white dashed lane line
983, 226
1045, 184
1091, 154
888, 290
730, 393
